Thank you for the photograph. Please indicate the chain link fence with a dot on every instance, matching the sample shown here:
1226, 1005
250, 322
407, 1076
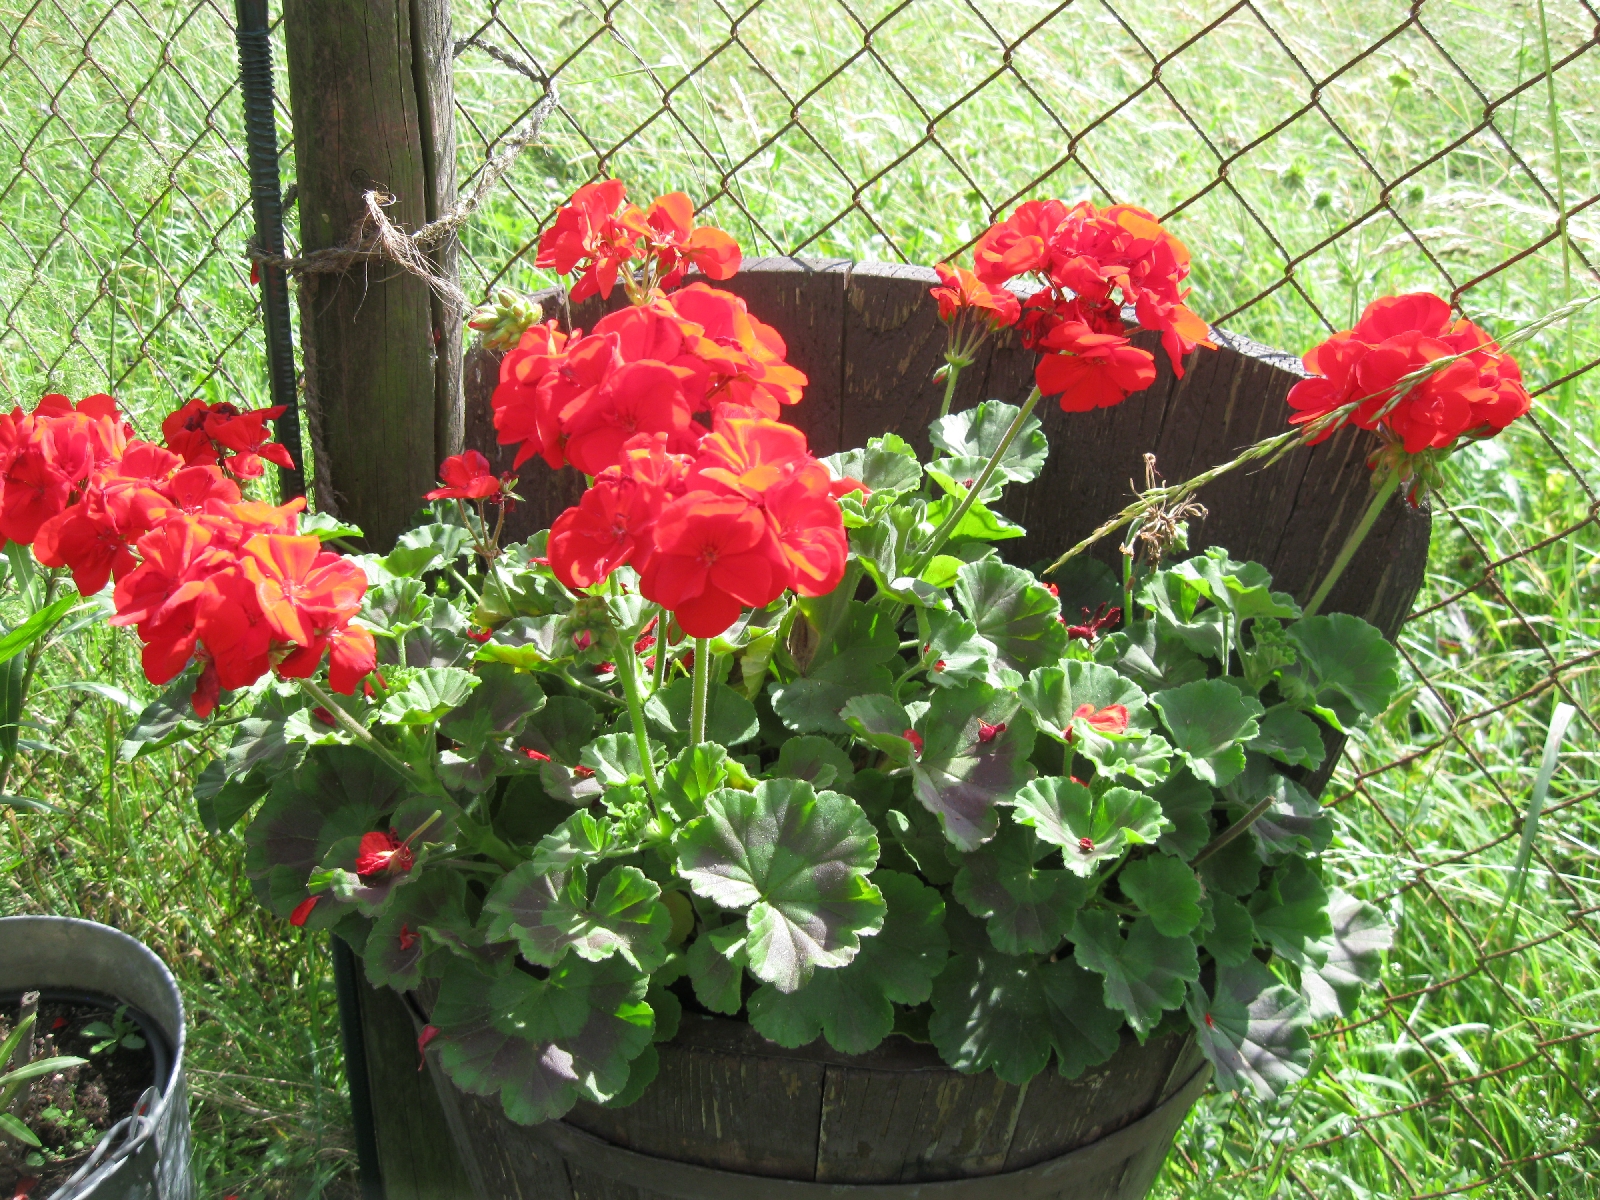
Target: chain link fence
1314, 154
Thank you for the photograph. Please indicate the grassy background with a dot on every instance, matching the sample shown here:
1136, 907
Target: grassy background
1308, 175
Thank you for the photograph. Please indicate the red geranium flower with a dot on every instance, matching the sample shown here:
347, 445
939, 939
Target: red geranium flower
714, 556
961, 292
1111, 719
466, 477
382, 853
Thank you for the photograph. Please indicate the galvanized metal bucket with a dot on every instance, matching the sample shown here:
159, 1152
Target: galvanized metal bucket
145, 1156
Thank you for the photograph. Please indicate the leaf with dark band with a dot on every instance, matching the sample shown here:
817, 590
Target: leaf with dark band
1090, 829
1028, 908
549, 913
963, 772
798, 859
1144, 972
1253, 1030
853, 1006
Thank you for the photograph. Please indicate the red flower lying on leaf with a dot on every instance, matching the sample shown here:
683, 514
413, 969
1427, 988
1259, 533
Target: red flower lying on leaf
1111, 719
382, 853
1476, 394
1085, 257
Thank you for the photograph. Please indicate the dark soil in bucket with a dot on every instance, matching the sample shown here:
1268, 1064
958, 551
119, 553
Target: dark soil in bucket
69, 1110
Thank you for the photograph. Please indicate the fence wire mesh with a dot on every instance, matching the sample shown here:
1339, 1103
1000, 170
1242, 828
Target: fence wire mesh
1314, 154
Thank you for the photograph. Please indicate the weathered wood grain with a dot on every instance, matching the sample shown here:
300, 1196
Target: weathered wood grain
374, 381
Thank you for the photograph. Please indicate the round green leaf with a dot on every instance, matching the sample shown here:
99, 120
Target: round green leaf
549, 913
798, 859
1028, 908
1088, 828
960, 777
1209, 721
853, 1007
1014, 612
1144, 972
1164, 889
1254, 1030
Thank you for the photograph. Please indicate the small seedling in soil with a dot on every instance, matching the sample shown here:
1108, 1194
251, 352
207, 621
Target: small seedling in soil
121, 1032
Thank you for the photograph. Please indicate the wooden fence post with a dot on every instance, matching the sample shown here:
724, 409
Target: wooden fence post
370, 88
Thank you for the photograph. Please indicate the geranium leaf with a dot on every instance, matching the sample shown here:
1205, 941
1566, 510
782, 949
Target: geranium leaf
1289, 736
955, 476
1208, 720
717, 961
548, 913
1349, 670
582, 839
962, 772
979, 523
957, 655
1186, 803
338, 792
1232, 936
614, 759
222, 802
1014, 612
542, 1044
847, 661
853, 1006
1183, 613
1294, 824
1144, 972
978, 432
887, 464
528, 642
1151, 657
1028, 908
689, 778
498, 708
1089, 828
1253, 1030
1006, 1013
1291, 913
1243, 589
261, 739
798, 860
730, 718
816, 760
1234, 869
1165, 890
437, 642
882, 723
920, 836
561, 728
1055, 694
166, 719
431, 912
427, 695
1353, 957
421, 549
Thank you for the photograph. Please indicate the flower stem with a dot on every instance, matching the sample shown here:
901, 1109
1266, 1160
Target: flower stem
953, 521
702, 690
51, 579
663, 651
952, 373
627, 671
1353, 542
1233, 831
363, 736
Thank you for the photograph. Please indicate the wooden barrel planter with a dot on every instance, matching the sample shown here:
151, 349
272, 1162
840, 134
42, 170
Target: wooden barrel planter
733, 1117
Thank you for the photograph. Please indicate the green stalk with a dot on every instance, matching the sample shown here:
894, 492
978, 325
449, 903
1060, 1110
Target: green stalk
942, 534
363, 736
952, 373
1353, 542
662, 651
1233, 831
34, 651
630, 690
702, 690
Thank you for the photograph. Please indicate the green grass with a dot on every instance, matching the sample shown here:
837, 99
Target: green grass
806, 143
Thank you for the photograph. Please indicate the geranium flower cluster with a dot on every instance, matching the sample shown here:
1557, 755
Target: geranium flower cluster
712, 519
1092, 263
199, 570
599, 235
1477, 394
